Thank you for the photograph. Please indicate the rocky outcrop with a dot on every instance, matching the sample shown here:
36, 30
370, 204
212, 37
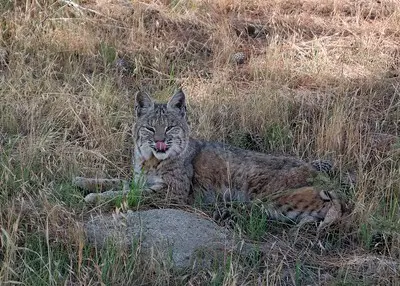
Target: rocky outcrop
185, 238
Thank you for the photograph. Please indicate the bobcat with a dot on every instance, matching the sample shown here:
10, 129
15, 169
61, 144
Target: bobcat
178, 167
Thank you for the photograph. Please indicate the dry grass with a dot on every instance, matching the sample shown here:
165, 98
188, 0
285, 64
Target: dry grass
321, 79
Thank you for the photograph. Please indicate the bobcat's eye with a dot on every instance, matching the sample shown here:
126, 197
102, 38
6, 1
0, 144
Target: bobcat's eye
169, 128
150, 129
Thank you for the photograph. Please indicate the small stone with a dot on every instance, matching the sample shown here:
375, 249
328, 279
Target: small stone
239, 58
123, 66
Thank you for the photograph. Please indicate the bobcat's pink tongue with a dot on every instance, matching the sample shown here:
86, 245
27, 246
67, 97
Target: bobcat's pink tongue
161, 146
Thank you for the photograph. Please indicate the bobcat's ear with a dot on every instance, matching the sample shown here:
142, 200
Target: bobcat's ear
143, 103
178, 103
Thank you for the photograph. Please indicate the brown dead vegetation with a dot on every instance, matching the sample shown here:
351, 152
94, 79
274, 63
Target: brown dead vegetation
320, 80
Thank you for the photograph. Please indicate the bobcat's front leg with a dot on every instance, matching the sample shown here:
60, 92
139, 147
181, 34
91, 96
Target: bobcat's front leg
97, 184
101, 189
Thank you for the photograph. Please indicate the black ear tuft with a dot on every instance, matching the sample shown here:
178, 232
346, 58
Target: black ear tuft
178, 103
143, 103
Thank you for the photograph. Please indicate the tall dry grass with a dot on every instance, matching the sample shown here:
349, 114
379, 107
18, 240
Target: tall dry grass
320, 80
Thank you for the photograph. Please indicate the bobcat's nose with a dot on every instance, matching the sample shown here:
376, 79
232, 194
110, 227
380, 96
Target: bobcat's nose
161, 146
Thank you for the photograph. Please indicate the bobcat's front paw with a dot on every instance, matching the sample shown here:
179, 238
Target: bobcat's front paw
108, 195
105, 196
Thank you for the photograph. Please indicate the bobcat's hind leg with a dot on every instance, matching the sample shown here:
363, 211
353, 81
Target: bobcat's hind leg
335, 210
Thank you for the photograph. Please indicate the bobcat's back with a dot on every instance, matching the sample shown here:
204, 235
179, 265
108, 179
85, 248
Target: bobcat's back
256, 174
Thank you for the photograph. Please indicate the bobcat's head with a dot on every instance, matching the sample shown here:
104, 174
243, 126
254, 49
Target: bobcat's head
161, 129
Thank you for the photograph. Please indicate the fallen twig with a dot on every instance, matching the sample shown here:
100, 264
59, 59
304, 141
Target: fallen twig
80, 8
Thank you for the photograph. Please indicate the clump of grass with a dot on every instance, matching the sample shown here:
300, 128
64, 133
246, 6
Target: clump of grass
134, 198
251, 220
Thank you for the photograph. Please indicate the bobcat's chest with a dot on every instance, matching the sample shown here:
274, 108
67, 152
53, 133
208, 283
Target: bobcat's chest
144, 162
148, 169
150, 164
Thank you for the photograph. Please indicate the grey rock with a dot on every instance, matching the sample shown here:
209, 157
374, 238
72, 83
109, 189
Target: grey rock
186, 239
239, 58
